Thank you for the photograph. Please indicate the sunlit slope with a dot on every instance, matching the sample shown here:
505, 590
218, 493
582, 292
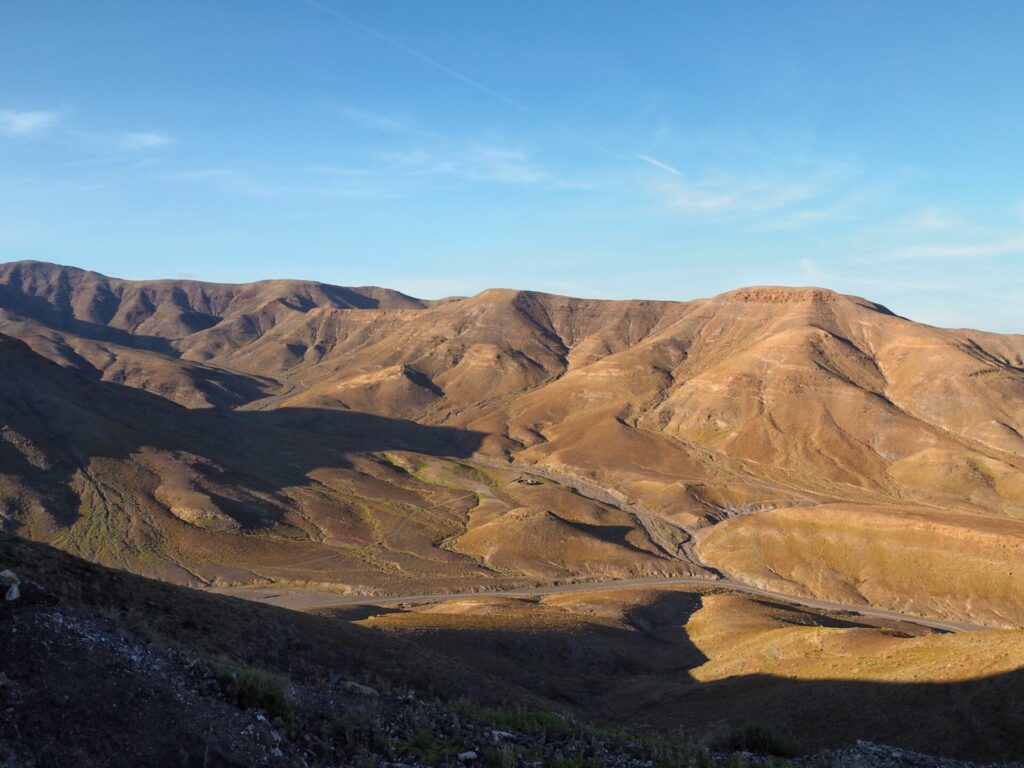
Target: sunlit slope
741, 636
652, 415
712, 661
140, 333
761, 394
915, 560
801, 389
330, 499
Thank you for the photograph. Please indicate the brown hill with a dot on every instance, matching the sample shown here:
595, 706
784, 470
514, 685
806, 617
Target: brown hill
295, 496
668, 415
111, 327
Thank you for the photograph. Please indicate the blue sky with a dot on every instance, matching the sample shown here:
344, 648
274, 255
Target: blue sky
608, 149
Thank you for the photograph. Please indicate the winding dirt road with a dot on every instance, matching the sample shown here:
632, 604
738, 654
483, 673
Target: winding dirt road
679, 546
303, 599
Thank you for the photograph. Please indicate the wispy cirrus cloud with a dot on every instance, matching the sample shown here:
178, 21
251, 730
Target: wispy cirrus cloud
502, 164
773, 192
114, 143
981, 249
281, 182
806, 217
726, 194
224, 180
374, 120
132, 141
480, 162
37, 123
659, 164
30, 123
934, 218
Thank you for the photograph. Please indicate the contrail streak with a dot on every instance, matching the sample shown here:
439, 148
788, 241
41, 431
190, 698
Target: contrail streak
453, 73
659, 164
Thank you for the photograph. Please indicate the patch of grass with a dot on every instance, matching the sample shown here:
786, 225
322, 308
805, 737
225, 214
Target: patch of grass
219, 629
528, 721
663, 750
390, 461
252, 688
357, 738
499, 758
760, 740
424, 747
559, 761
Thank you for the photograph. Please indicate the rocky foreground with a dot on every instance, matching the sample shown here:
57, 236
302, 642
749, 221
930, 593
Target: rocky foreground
78, 688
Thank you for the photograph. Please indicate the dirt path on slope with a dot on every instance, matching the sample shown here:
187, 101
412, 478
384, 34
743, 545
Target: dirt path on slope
304, 599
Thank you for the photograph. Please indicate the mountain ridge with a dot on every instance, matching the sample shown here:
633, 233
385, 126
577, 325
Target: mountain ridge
669, 417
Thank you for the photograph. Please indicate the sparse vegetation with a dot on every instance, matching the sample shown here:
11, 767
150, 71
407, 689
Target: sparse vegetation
521, 462
531, 721
759, 740
423, 746
257, 689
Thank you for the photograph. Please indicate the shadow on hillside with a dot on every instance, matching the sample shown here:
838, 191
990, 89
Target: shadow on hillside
39, 309
73, 711
580, 668
600, 673
607, 672
615, 676
64, 421
980, 719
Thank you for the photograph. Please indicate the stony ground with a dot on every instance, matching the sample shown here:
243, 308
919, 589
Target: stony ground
77, 689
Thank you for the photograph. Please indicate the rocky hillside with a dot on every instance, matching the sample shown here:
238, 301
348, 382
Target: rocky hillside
238, 434
100, 668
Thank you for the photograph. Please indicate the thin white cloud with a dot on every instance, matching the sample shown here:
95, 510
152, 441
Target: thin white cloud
26, 123
934, 218
690, 199
812, 272
461, 77
142, 140
224, 180
508, 166
773, 192
660, 164
40, 122
482, 162
1013, 246
736, 196
237, 183
809, 216
377, 121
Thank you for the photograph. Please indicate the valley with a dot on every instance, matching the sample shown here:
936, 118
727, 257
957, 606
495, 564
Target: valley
763, 505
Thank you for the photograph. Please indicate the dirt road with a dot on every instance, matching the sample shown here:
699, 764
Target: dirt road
302, 599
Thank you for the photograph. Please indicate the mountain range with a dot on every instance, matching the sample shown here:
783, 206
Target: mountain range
358, 439
780, 506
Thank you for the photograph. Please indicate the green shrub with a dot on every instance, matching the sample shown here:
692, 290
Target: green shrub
257, 689
560, 761
528, 721
760, 740
499, 758
424, 747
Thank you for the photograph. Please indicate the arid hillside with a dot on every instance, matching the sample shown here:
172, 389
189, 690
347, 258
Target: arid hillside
147, 673
355, 438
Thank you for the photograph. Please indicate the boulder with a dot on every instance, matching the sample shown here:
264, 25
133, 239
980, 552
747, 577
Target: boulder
10, 586
360, 690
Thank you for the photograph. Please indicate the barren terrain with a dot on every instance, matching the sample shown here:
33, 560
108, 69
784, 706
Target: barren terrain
792, 484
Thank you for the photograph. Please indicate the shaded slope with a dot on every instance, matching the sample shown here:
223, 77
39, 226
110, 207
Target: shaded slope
292, 496
687, 412
711, 662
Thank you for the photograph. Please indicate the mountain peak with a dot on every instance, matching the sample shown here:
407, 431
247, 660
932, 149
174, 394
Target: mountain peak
780, 294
